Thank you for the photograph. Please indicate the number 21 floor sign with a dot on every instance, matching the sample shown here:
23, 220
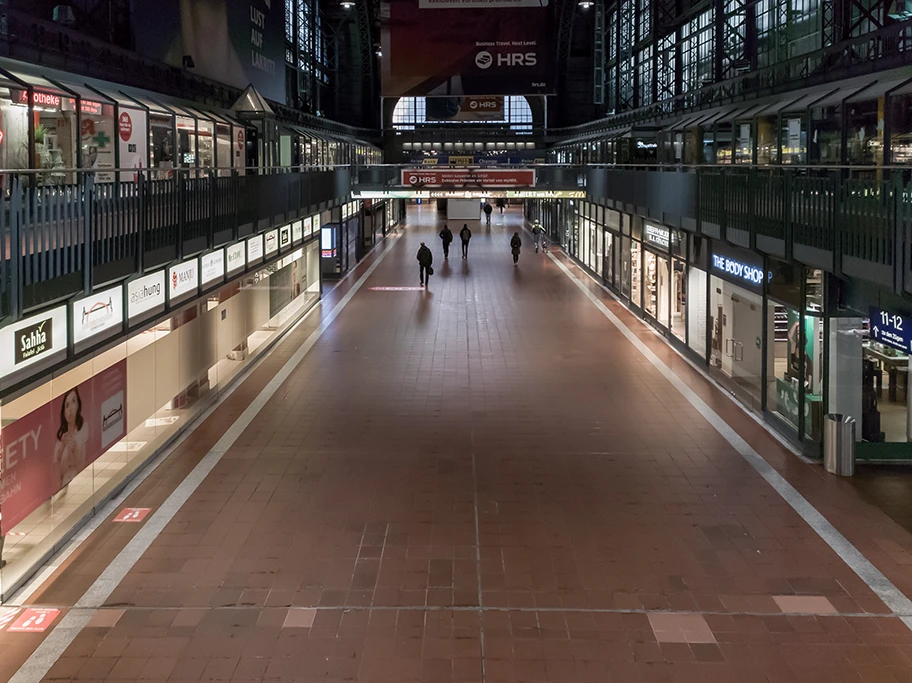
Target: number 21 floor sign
34, 621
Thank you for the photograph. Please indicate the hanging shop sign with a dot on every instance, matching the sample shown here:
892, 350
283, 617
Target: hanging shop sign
468, 177
39, 99
658, 236
98, 313
236, 257
47, 448
285, 236
212, 267
33, 340
132, 142
145, 296
297, 231
183, 280
254, 250
891, 329
738, 265
272, 242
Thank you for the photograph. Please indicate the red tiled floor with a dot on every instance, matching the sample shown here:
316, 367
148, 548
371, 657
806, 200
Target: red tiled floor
487, 482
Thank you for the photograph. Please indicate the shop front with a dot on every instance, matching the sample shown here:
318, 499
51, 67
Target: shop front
72, 439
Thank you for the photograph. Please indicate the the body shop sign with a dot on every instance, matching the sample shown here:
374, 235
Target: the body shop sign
236, 257
33, 340
183, 280
213, 267
738, 265
145, 295
96, 314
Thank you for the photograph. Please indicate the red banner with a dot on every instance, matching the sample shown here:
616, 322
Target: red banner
43, 451
469, 177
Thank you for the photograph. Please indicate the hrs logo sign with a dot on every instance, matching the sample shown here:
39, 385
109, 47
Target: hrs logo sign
485, 60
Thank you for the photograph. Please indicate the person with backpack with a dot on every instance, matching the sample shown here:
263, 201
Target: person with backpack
538, 232
487, 212
465, 235
425, 261
515, 246
446, 236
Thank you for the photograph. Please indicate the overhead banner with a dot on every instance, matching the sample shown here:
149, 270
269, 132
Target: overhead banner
44, 450
237, 42
467, 47
469, 177
477, 108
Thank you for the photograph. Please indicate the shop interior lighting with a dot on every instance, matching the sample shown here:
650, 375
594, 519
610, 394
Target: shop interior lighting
586, 4
347, 4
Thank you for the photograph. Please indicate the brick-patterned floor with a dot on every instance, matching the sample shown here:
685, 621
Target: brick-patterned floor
487, 482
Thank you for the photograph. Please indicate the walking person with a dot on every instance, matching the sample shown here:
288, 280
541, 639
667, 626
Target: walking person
515, 246
425, 261
446, 236
487, 212
465, 235
538, 233
501, 204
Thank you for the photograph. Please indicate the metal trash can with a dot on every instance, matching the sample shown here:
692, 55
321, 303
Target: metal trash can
839, 444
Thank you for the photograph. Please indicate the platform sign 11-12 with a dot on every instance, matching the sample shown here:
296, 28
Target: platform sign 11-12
891, 329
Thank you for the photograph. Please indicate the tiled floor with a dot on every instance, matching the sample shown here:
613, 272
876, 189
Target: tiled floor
485, 482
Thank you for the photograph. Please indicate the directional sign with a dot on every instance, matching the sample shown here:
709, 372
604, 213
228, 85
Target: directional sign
891, 329
34, 621
132, 515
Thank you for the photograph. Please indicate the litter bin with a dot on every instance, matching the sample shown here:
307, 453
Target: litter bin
839, 444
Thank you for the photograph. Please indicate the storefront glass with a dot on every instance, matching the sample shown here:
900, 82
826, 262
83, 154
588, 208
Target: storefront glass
146, 389
636, 276
697, 314
737, 328
679, 299
608, 268
161, 143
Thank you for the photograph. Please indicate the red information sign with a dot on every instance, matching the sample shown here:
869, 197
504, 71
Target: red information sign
34, 621
126, 126
132, 515
469, 177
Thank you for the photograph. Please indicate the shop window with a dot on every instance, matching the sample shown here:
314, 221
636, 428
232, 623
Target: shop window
636, 278
625, 266
656, 292
865, 132
901, 129
679, 299
767, 140
724, 135
793, 137
14, 147
610, 241
206, 142
885, 396
736, 353
795, 348
744, 145
186, 142
826, 135
161, 143
697, 314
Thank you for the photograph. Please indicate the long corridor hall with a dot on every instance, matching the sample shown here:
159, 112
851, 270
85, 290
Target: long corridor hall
502, 477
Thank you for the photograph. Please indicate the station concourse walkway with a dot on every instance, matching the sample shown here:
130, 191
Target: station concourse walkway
505, 477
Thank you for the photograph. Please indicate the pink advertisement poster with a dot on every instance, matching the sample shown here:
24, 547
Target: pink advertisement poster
43, 451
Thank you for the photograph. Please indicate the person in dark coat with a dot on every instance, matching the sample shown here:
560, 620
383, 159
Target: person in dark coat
446, 236
501, 204
487, 211
515, 246
465, 235
425, 260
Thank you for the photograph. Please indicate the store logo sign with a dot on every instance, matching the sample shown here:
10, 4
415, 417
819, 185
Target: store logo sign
236, 257
97, 313
145, 294
184, 279
738, 270
272, 242
34, 340
213, 266
659, 236
254, 249
285, 236
125, 126
297, 231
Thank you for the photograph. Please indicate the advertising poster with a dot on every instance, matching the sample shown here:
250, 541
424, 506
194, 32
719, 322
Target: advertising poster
133, 141
467, 47
237, 42
43, 451
464, 108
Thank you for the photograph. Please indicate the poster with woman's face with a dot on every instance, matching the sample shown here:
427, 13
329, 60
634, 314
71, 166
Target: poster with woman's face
45, 450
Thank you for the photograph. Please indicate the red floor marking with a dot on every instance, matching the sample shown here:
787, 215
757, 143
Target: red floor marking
34, 621
7, 615
396, 289
132, 514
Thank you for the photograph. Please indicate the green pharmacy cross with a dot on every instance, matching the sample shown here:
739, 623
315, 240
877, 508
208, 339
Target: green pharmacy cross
101, 139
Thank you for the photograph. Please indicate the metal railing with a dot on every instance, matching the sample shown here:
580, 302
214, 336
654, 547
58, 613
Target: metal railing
62, 239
